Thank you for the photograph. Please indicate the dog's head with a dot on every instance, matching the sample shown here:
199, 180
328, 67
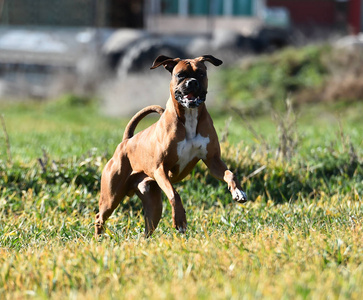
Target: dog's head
189, 82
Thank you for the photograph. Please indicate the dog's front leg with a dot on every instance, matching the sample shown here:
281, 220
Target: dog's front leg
220, 171
178, 212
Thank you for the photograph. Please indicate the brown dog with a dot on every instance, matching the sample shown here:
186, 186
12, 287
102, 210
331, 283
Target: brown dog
166, 152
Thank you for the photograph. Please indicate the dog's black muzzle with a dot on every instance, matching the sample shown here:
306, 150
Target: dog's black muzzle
189, 94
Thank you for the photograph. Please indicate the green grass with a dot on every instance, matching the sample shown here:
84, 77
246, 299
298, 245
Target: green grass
312, 74
64, 130
254, 251
262, 82
300, 237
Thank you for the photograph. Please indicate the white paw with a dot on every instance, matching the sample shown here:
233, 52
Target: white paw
239, 196
182, 230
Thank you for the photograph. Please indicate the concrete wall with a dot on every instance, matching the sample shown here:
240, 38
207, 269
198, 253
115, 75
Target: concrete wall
201, 25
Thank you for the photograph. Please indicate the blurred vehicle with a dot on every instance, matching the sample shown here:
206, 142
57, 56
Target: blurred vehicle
132, 50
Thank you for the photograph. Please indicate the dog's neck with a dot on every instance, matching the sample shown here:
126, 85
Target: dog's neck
191, 123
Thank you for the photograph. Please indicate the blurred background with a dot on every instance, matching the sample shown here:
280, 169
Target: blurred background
103, 49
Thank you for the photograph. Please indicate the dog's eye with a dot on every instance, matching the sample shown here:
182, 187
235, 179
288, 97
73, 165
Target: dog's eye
181, 76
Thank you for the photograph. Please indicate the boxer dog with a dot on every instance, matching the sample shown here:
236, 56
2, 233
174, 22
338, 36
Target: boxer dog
150, 161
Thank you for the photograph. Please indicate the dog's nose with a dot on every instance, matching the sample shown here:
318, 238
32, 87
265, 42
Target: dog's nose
192, 84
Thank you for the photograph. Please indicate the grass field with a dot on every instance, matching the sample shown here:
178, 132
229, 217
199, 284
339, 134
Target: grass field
301, 236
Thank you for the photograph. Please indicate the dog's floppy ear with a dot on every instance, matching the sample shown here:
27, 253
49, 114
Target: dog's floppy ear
211, 59
168, 62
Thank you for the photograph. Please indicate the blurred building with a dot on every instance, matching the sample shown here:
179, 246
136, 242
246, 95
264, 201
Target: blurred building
331, 14
72, 13
166, 15
335, 14
355, 15
203, 16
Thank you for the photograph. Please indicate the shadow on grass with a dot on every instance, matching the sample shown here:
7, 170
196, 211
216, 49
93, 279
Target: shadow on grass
278, 181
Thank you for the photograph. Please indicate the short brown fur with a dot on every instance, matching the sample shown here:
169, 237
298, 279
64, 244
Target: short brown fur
148, 162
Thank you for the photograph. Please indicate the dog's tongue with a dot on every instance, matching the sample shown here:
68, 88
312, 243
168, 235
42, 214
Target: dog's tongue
190, 96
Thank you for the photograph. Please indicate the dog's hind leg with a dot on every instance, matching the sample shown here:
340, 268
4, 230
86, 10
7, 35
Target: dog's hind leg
178, 211
114, 187
106, 208
150, 194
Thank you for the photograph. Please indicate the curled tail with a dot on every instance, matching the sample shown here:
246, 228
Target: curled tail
130, 128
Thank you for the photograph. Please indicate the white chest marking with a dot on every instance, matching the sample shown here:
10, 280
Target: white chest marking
194, 145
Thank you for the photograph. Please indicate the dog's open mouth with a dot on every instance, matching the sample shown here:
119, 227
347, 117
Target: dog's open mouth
189, 100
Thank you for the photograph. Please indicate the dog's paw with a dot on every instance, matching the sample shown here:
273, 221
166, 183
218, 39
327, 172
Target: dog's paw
182, 230
180, 226
180, 221
239, 196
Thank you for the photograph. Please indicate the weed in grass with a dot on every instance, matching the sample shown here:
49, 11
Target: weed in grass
6, 137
